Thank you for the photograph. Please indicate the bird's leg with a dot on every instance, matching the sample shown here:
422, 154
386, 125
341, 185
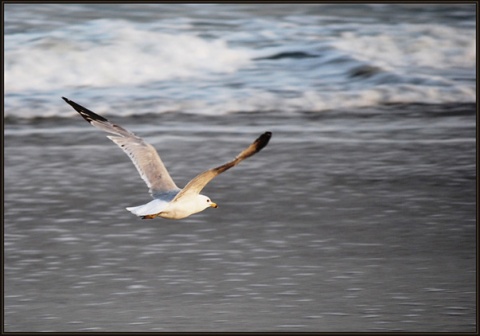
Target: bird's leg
150, 216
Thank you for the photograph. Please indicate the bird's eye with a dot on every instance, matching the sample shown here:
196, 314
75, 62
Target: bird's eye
208, 201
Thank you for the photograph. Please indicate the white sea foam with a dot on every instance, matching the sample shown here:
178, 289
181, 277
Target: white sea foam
403, 46
104, 53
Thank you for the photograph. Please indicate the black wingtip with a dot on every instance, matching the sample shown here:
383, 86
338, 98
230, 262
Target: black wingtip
84, 112
263, 140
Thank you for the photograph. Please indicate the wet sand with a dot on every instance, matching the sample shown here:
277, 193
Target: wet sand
360, 223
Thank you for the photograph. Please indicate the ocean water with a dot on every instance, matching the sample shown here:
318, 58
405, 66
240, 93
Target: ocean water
217, 59
358, 216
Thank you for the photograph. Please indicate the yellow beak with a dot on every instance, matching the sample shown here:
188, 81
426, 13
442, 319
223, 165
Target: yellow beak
213, 205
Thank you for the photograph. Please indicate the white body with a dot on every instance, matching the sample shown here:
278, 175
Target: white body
179, 209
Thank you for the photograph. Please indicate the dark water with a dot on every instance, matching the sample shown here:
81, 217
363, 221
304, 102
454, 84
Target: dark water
217, 59
354, 221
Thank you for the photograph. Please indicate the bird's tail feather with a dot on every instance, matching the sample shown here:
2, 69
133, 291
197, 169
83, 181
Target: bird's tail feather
152, 207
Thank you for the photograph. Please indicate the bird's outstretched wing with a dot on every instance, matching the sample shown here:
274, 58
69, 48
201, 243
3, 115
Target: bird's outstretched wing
143, 155
196, 185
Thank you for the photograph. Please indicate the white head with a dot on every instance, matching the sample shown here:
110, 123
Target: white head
204, 202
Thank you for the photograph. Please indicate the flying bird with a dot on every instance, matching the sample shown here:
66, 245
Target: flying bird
169, 201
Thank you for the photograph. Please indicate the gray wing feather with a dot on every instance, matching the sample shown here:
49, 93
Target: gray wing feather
196, 185
143, 155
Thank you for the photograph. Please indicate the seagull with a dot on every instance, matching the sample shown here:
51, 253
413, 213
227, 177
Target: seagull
169, 201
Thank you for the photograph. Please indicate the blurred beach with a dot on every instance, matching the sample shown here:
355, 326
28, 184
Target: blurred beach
358, 216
